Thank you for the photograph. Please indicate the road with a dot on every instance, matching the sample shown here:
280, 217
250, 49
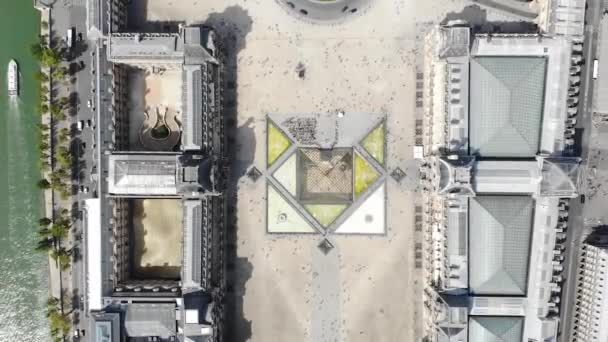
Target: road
68, 14
576, 227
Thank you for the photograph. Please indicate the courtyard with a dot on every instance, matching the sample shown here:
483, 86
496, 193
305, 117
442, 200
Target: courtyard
154, 104
366, 287
157, 236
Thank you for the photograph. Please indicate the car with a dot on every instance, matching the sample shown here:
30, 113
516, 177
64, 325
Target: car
571, 121
582, 199
76, 333
82, 331
79, 36
80, 125
81, 188
89, 103
86, 189
89, 123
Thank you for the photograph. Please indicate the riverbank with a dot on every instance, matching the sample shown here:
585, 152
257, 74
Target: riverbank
23, 272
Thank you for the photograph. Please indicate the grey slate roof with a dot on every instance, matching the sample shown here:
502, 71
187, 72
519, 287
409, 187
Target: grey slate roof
193, 223
143, 320
506, 105
499, 238
495, 329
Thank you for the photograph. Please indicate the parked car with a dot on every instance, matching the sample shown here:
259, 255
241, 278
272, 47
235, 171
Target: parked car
572, 111
582, 199
76, 333
80, 125
89, 103
571, 121
89, 123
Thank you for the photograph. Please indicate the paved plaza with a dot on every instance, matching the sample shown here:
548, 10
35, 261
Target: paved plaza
283, 287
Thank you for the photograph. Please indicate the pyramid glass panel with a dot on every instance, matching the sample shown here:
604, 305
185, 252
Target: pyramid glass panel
325, 214
365, 175
277, 143
374, 143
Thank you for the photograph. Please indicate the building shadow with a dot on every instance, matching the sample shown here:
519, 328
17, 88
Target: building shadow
232, 26
477, 18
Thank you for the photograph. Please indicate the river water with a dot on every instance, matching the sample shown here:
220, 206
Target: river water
23, 272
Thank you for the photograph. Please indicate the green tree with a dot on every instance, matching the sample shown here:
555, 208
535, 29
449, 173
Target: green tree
36, 50
43, 146
63, 257
59, 73
44, 221
41, 76
62, 154
50, 57
64, 193
44, 245
44, 165
43, 127
44, 184
59, 323
59, 231
64, 135
43, 108
56, 111
44, 25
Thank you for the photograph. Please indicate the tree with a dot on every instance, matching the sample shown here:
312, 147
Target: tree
64, 101
43, 127
43, 108
63, 257
64, 135
59, 73
59, 323
44, 184
56, 112
44, 221
36, 50
59, 231
50, 57
41, 76
44, 25
43, 146
62, 154
44, 245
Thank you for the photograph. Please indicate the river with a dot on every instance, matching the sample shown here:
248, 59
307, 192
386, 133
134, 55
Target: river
23, 272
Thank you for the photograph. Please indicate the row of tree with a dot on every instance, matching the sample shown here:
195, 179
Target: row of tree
52, 232
59, 322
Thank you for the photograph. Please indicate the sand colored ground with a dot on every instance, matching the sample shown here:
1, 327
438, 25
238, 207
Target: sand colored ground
367, 288
157, 230
149, 92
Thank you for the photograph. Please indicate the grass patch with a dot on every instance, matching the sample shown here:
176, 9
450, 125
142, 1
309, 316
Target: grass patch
277, 143
325, 214
374, 143
365, 175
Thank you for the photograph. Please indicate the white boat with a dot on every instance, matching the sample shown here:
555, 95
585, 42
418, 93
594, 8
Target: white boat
13, 78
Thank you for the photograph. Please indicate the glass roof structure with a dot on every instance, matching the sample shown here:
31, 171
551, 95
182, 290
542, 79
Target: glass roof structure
499, 238
506, 110
495, 329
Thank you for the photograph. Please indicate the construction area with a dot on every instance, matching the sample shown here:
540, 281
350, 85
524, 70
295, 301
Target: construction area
157, 238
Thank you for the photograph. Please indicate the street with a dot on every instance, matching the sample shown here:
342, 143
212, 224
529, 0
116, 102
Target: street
65, 15
576, 222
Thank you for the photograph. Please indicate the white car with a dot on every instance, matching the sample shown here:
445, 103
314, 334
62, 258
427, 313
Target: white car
80, 125
89, 103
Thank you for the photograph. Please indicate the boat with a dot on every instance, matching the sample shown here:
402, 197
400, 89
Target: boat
13, 78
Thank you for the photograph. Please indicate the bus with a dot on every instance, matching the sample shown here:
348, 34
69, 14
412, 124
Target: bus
595, 68
70, 37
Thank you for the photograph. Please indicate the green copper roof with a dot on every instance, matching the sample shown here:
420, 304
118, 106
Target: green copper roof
499, 238
506, 105
495, 329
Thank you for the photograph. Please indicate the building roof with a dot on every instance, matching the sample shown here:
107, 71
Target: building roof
193, 102
142, 174
495, 329
105, 327
193, 243
507, 105
499, 238
94, 257
143, 320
